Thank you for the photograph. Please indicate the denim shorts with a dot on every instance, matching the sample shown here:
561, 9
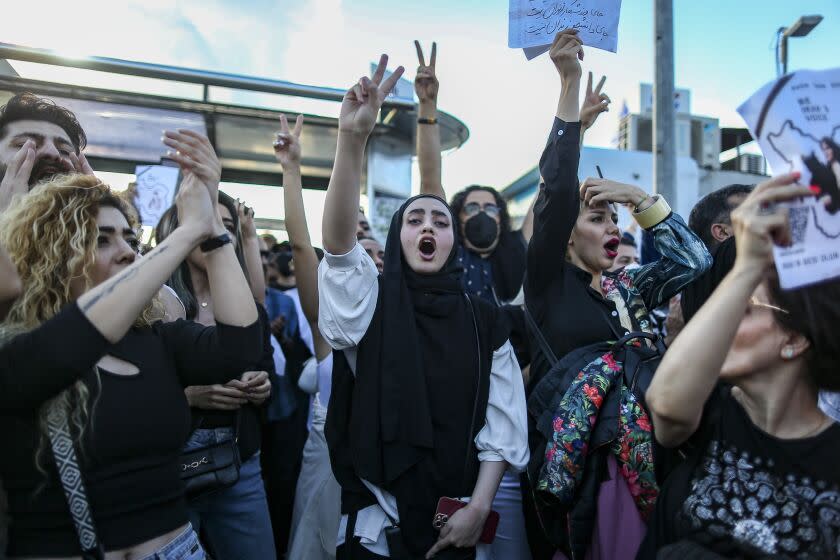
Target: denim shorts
183, 547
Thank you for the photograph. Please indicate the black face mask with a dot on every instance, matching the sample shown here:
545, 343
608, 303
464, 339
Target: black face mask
481, 230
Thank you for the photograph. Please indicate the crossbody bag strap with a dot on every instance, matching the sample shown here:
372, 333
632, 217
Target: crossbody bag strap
543, 343
72, 483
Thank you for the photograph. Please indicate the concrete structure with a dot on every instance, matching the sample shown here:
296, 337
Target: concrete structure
124, 126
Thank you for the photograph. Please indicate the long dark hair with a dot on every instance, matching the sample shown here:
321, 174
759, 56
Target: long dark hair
460, 199
181, 281
835, 148
812, 311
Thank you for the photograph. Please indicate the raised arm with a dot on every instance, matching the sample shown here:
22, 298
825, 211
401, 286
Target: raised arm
357, 119
287, 150
594, 103
251, 250
689, 370
233, 302
558, 202
428, 131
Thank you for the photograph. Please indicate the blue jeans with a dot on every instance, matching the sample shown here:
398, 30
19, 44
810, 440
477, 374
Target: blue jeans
234, 522
183, 547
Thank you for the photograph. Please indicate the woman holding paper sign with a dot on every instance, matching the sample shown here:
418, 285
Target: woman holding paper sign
738, 389
575, 302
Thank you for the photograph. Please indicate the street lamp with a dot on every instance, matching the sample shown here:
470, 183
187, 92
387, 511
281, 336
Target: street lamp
800, 28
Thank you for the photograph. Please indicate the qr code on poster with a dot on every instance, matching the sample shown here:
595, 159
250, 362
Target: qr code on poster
798, 217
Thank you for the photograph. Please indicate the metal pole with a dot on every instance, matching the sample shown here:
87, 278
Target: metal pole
784, 53
664, 124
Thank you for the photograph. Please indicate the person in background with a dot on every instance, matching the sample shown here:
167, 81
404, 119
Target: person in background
38, 140
572, 298
317, 502
234, 522
627, 253
114, 372
711, 217
738, 390
363, 225
405, 388
375, 251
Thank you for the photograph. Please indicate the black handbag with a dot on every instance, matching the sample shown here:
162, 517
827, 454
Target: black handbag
212, 468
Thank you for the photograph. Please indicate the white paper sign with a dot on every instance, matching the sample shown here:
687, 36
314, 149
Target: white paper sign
155, 191
796, 121
534, 23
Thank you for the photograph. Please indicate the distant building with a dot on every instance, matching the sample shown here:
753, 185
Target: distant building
708, 157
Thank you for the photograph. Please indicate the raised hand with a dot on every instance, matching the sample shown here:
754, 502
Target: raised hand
16, 179
594, 191
426, 84
759, 222
287, 144
594, 103
566, 52
80, 164
246, 220
196, 209
362, 102
195, 156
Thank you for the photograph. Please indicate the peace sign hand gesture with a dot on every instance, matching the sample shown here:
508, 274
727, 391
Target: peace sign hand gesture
362, 102
287, 145
426, 83
594, 103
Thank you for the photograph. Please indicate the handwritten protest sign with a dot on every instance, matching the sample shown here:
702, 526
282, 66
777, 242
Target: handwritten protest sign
154, 192
532, 24
796, 121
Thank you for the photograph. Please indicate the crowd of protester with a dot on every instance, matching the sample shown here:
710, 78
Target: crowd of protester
460, 389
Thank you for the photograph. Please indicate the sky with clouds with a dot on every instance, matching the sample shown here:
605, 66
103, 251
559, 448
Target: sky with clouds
723, 52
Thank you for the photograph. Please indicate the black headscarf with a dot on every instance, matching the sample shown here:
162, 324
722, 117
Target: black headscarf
391, 429
402, 422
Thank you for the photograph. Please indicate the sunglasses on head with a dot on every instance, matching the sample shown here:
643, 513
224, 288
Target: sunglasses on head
473, 208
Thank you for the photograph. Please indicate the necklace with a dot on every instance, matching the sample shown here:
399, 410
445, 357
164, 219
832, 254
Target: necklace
204, 304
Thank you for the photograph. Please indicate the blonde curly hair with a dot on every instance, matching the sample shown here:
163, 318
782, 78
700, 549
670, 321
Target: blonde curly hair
51, 236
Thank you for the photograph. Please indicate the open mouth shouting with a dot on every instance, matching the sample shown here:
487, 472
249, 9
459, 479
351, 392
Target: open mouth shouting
611, 247
427, 247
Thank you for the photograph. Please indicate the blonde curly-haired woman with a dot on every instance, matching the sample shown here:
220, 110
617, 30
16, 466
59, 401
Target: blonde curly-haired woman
84, 338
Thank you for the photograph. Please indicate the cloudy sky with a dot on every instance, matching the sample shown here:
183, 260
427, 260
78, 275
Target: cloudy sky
723, 54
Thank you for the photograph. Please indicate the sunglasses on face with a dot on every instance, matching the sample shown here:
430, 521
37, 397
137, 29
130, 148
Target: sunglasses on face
473, 208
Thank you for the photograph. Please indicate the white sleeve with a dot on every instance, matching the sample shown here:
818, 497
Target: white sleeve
347, 293
504, 436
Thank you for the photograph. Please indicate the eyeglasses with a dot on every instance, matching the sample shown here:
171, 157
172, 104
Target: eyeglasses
755, 302
473, 208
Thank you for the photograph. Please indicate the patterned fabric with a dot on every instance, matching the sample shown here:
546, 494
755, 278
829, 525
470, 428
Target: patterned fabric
71, 479
574, 420
478, 275
636, 291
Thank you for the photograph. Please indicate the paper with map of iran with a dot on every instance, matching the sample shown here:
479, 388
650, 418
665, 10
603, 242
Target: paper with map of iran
796, 121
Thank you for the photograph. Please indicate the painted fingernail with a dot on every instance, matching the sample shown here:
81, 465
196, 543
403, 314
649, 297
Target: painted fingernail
815, 189
797, 175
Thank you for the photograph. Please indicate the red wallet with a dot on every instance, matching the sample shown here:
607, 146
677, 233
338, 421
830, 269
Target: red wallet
447, 507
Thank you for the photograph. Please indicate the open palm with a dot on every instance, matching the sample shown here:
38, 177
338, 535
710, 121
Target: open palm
362, 102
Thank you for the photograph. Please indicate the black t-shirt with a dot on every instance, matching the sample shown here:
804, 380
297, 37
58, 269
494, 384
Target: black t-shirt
137, 425
743, 493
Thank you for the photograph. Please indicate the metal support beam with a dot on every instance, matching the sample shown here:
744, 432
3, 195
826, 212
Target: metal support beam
664, 123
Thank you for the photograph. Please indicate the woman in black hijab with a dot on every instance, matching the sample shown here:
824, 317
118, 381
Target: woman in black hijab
427, 398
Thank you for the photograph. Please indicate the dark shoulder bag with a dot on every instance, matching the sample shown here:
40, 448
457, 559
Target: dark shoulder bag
212, 468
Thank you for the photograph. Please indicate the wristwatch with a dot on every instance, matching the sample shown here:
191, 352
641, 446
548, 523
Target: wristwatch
215, 242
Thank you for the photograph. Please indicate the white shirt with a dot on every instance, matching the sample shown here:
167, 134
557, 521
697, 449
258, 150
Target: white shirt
348, 291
